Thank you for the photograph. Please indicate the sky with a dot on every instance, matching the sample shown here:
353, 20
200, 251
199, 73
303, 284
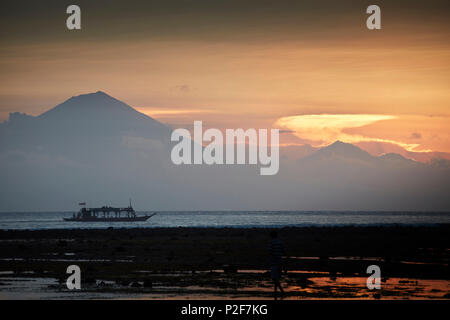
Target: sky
310, 68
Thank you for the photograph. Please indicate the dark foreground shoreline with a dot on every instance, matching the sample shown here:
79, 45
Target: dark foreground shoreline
230, 261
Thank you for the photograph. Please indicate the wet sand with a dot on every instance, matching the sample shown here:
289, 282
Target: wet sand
226, 263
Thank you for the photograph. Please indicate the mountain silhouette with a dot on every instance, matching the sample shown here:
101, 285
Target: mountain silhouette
96, 106
99, 110
340, 150
82, 123
95, 148
397, 158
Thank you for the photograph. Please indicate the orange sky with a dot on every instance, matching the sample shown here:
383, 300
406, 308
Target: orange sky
248, 68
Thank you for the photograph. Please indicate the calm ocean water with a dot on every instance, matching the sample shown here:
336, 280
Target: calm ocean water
237, 219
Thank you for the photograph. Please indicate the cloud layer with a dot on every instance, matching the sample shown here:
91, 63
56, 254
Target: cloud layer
322, 129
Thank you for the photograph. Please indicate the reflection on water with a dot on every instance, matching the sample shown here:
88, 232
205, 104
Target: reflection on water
317, 287
392, 288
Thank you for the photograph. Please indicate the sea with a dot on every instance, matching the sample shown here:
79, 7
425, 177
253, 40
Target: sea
231, 219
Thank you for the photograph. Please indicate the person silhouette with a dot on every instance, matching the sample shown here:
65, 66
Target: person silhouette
276, 251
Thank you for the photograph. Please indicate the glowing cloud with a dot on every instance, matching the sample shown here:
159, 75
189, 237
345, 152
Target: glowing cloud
322, 129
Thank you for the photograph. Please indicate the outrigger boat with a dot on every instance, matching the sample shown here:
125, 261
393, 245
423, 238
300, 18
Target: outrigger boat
107, 214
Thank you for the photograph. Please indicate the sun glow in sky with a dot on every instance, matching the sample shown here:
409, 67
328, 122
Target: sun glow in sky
323, 129
309, 67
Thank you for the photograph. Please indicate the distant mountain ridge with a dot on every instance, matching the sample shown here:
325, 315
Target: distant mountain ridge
99, 114
95, 148
110, 114
100, 108
341, 151
91, 116
91, 105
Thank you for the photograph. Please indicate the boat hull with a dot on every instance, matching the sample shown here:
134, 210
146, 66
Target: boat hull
121, 219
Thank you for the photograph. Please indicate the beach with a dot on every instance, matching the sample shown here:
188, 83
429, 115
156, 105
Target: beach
226, 263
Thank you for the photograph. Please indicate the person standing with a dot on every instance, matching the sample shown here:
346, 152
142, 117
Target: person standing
276, 251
